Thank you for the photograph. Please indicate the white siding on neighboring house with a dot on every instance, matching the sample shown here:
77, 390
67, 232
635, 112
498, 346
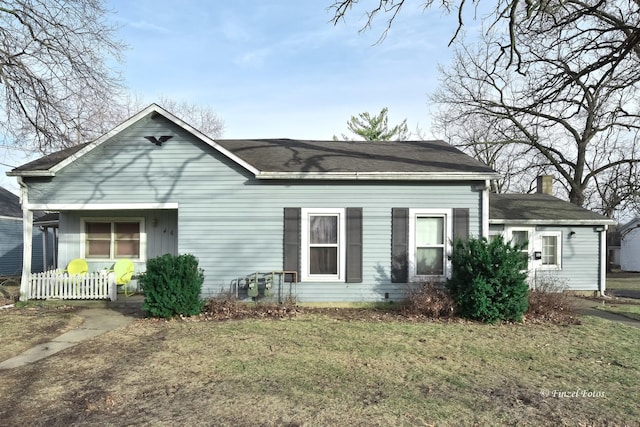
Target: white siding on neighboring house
630, 249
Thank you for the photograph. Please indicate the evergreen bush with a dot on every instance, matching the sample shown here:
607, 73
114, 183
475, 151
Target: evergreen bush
487, 280
172, 286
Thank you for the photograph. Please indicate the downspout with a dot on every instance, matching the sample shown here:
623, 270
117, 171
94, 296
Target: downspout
603, 260
485, 209
27, 239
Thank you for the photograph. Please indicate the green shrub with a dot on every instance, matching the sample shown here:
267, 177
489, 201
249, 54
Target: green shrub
487, 282
172, 285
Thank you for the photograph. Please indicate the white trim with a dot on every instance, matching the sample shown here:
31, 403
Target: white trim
112, 220
27, 236
603, 261
31, 173
388, 176
448, 230
523, 222
99, 206
485, 209
539, 246
12, 218
305, 213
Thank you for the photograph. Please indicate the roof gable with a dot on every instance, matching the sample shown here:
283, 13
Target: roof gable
635, 222
304, 159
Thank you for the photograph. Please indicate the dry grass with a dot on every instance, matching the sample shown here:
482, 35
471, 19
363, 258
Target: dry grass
632, 311
21, 329
314, 368
623, 280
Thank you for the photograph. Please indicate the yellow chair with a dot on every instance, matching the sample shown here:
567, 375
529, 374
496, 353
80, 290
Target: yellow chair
123, 270
77, 266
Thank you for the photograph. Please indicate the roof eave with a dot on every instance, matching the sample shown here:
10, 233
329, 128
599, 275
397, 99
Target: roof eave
553, 221
387, 176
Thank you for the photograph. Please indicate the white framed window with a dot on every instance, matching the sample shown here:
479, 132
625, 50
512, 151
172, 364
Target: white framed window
323, 243
430, 234
551, 250
105, 239
523, 236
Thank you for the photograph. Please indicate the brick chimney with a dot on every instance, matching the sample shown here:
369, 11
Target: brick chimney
545, 184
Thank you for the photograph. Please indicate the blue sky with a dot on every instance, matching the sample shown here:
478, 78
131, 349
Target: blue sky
279, 68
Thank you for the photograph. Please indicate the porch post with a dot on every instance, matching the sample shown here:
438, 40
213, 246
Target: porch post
27, 240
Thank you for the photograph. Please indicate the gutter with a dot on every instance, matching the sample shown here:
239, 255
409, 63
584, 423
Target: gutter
387, 176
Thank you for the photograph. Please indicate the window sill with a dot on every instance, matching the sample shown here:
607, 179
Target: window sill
428, 279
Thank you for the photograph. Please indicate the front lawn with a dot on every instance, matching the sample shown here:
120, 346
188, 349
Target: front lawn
623, 281
631, 311
319, 369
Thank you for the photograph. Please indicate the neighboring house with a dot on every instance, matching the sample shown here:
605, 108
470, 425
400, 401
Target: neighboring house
11, 231
630, 245
566, 244
613, 248
355, 221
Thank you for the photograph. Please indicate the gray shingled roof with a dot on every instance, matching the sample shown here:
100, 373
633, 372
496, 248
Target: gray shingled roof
9, 204
287, 155
539, 208
50, 160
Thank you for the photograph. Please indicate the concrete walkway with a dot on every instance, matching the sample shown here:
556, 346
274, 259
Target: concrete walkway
586, 307
97, 321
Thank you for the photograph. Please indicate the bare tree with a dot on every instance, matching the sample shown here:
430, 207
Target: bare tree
582, 126
201, 117
615, 20
54, 68
376, 128
94, 120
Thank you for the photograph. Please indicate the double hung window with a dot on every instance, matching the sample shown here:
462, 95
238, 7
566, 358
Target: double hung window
430, 232
323, 244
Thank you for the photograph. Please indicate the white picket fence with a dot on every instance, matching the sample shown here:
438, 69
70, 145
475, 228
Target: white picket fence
60, 285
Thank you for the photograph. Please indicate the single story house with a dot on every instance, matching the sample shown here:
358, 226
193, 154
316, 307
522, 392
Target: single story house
11, 231
630, 245
343, 221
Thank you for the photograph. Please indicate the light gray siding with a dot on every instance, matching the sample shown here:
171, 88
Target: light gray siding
231, 222
580, 258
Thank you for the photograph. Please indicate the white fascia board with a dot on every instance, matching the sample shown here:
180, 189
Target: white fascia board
99, 206
30, 173
388, 176
552, 222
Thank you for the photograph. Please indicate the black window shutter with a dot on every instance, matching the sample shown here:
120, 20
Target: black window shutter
461, 223
291, 254
354, 245
399, 245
